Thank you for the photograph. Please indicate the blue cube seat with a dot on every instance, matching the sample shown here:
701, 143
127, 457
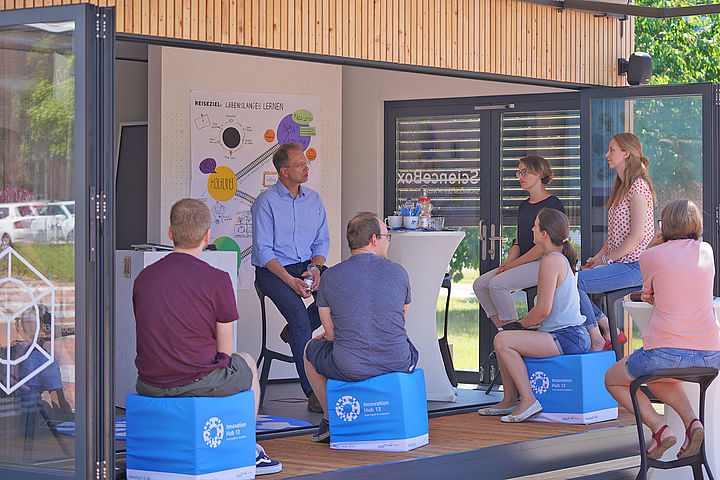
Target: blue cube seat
571, 388
387, 412
191, 437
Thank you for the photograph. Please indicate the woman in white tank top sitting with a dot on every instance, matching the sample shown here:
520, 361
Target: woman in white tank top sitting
556, 315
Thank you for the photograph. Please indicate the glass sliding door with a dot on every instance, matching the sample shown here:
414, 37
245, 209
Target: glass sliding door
443, 153
46, 167
555, 136
674, 125
465, 150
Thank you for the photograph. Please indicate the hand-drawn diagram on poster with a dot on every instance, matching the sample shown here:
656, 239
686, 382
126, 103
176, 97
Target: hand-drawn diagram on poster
233, 137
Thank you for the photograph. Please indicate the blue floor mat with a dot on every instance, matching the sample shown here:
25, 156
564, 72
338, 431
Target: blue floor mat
265, 423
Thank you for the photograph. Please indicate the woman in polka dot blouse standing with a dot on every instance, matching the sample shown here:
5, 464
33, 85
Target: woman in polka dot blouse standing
630, 229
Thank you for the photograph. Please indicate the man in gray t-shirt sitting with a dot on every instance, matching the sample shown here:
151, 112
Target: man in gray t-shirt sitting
363, 303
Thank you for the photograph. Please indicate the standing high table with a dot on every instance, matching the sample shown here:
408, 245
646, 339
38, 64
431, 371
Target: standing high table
640, 313
426, 256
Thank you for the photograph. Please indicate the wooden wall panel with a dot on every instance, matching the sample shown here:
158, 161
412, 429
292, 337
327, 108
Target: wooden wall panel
506, 37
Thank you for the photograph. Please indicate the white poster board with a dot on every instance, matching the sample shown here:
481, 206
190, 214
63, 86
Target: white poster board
232, 140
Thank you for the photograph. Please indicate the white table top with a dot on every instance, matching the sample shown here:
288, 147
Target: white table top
640, 312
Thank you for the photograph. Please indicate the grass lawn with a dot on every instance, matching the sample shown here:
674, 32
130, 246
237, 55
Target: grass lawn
469, 276
55, 261
463, 328
463, 325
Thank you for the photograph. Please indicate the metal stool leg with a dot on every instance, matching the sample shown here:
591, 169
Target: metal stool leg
496, 377
704, 377
530, 294
611, 311
443, 342
266, 355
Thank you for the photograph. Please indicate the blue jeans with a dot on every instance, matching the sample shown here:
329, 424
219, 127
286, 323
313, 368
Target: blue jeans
644, 362
604, 279
301, 320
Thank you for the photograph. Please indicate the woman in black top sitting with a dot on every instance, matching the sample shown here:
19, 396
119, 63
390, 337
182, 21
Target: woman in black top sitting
494, 288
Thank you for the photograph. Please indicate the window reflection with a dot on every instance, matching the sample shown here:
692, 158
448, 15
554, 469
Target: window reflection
37, 254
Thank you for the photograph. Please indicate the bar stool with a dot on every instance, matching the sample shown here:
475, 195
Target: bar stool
266, 355
611, 298
702, 376
530, 294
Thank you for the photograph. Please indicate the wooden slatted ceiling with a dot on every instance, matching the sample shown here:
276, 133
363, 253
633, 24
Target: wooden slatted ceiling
492, 36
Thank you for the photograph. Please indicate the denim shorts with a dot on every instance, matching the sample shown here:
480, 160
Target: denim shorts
572, 340
644, 362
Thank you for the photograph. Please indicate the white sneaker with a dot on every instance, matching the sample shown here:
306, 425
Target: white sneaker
263, 464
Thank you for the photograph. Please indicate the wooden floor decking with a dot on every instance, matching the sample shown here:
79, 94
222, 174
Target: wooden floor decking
449, 434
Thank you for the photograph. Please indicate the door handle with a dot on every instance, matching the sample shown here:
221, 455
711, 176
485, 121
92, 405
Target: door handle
482, 234
492, 239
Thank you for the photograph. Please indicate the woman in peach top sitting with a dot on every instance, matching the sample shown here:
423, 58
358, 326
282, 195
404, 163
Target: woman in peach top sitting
682, 331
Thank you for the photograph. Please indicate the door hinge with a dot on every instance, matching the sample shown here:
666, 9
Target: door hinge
100, 25
101, 472
101, 207
97, 215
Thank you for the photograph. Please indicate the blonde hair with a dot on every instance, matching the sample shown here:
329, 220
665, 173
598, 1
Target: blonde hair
681, 219
189, 220
539, 166
636, 166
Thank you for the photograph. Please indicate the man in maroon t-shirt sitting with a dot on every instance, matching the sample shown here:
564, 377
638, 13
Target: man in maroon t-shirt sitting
184, 314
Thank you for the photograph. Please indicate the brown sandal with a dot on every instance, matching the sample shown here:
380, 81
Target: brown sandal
695, 439
661, 445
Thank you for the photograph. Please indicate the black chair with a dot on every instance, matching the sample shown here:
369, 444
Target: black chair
33, 404
266, 355
444, 347
702, 376
530, 294
611, 298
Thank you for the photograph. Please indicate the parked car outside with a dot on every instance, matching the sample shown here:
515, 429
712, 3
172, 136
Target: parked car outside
16, 221
55, 223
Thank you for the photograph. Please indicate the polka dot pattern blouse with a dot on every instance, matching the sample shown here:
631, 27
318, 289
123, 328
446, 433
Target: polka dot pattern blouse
619, 222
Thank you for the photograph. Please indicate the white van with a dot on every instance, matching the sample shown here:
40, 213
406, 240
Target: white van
55, 223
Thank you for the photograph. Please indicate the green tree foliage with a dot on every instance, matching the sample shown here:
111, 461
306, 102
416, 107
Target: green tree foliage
683, 50
44, 111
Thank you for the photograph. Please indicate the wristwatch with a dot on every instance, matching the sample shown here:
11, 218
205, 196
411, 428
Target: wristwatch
606, 260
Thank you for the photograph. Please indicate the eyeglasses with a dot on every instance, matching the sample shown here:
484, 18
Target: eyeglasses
388, 235
521, 173
301, 165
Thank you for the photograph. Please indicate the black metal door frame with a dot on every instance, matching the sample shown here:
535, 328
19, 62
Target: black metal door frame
93, 47
710, 94
490, 109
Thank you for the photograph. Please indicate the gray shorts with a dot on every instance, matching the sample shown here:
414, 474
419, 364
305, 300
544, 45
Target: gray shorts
319, 353
221, 382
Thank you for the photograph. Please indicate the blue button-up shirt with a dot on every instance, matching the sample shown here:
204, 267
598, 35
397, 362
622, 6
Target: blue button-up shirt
290, 229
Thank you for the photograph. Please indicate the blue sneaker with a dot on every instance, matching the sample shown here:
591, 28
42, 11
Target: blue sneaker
263, 464
323, 433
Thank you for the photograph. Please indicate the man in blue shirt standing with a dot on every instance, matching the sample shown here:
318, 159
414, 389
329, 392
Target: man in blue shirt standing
290, 233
